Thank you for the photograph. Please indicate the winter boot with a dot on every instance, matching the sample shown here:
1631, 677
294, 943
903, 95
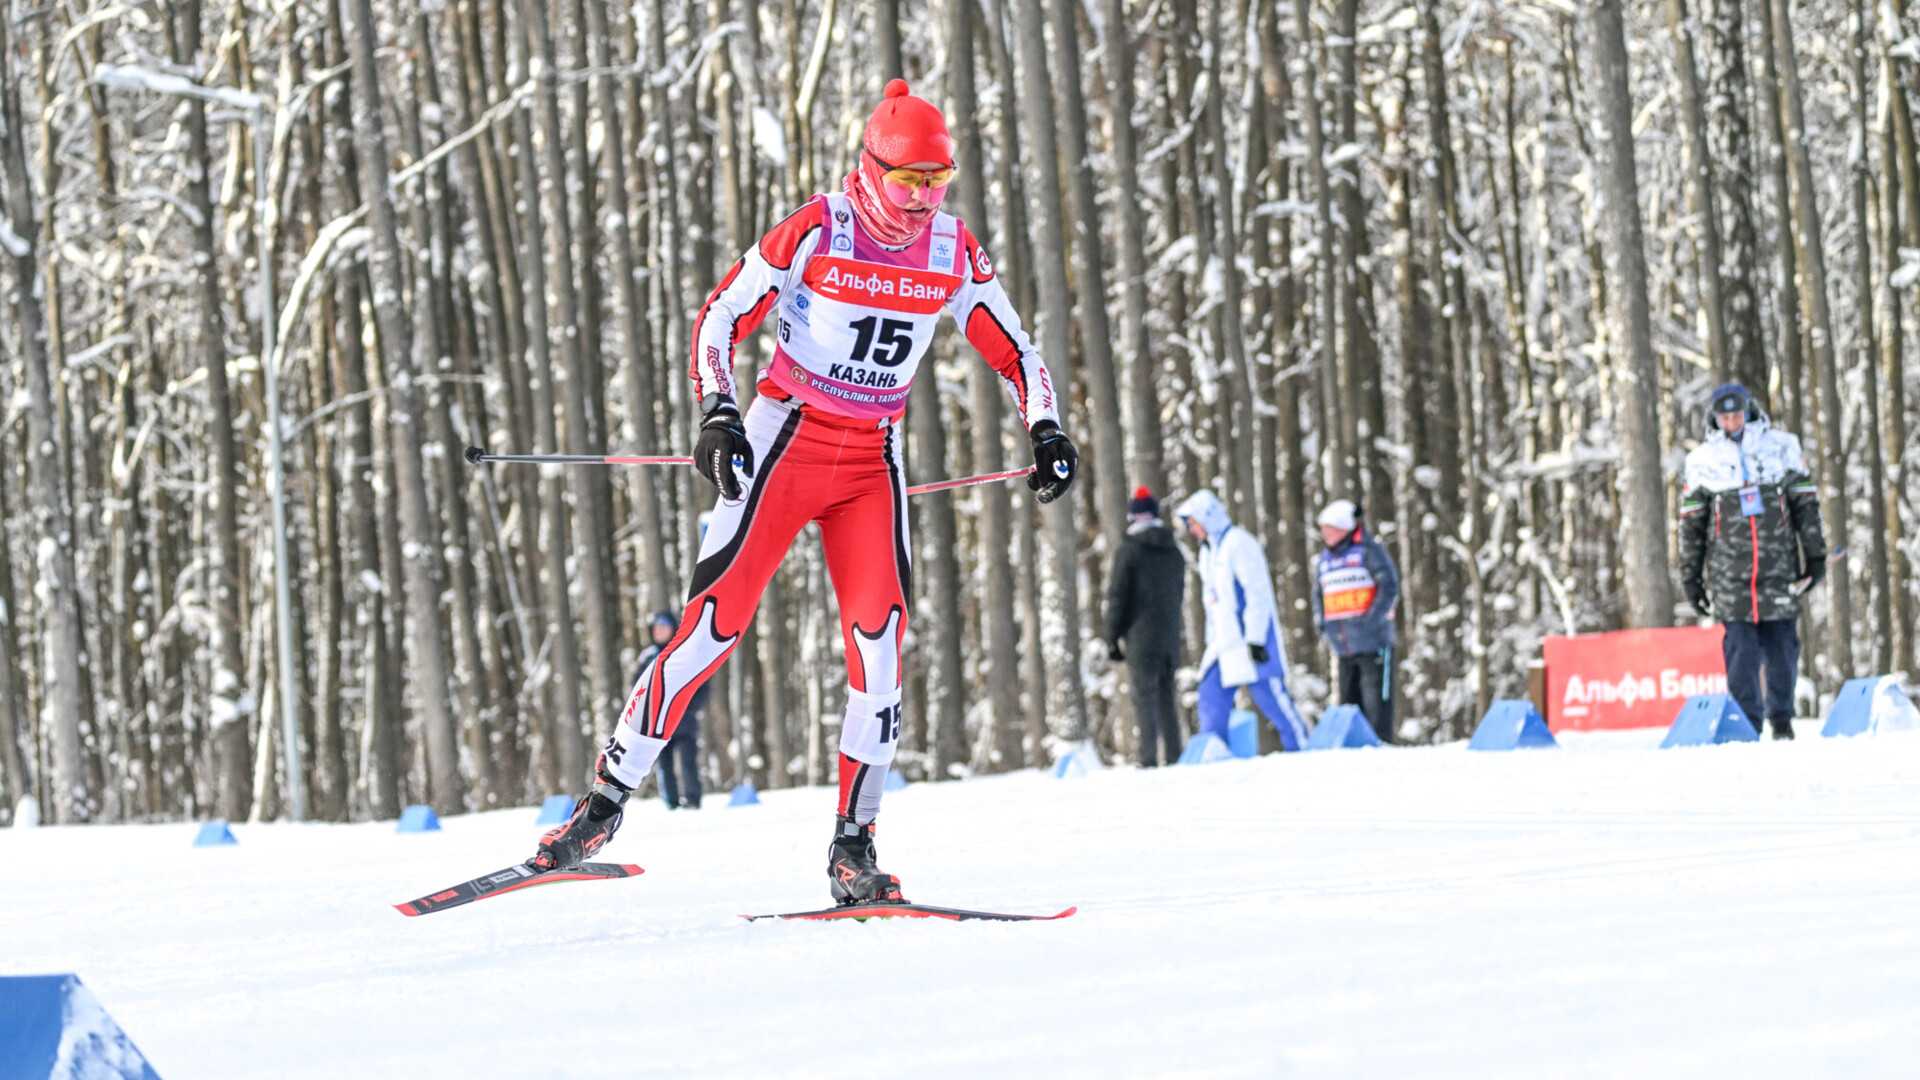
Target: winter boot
595, 818
1782, 729
851, 869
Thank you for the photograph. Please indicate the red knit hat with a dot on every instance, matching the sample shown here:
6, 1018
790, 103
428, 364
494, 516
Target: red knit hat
905, 130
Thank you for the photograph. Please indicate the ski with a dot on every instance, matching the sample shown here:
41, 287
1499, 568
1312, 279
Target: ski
883, 909
515, 877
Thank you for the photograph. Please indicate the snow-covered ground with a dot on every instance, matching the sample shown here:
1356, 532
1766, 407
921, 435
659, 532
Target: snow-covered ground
1602, 910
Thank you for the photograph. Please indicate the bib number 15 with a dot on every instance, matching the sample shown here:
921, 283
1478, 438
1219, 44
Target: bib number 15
888, 341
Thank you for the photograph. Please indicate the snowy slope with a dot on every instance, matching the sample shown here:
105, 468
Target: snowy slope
1602, 910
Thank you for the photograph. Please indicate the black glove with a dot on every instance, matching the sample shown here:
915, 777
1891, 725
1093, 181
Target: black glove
1258, 652
1697, 596
1054, 461
723, 439
1115, 651
1816, 572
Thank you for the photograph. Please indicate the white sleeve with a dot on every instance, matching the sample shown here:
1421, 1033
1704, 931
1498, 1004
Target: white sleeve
749, 290
1250, 574
982, 311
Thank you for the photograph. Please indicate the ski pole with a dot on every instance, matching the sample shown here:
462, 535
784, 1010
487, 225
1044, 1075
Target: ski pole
477, 456
969, 481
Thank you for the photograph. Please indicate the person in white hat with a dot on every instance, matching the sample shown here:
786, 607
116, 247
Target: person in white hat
1355, 588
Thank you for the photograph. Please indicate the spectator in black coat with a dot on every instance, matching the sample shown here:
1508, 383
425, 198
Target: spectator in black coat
1143, 623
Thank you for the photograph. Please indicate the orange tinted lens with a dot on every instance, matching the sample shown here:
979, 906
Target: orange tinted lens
915, 178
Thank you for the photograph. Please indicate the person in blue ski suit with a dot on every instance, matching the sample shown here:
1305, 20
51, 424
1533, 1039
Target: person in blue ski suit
1243, 633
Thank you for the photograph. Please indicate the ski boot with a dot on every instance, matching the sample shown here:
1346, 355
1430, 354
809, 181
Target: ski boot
595, 819
851, 869
1782, 729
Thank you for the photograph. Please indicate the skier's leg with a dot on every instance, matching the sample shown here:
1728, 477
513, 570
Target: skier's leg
1350, 681
1166, 711
1216, 703
743, 546
1380, 683
1269, 692
669, 784
686, 745
869, 557
1144, 672
1741, 650
1780, 644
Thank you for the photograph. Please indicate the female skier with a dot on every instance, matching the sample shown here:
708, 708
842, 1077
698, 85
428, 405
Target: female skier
857, 280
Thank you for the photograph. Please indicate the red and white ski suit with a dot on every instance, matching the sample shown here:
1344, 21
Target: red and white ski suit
854, 320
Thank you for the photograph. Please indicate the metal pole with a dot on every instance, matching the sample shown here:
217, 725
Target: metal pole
276, 477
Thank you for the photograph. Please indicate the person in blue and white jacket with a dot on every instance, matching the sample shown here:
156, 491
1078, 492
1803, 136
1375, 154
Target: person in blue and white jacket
1243, 633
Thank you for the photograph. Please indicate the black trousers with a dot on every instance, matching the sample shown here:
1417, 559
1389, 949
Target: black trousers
680, 764
1762, 660
1153, 707
1366, 680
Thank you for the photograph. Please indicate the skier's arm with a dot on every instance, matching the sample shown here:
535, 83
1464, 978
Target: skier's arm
1386, 579
1313, 593
741, 301
1695, 510
981, 309
1250, 568
1119, 595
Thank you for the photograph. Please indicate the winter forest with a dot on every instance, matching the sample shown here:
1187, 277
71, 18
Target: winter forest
1474, 264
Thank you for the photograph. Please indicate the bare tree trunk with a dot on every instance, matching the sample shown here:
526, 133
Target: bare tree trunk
1728, 98
63, 678
1643, 521
1062, 635
421, 559
1705, 210
1832, 447
1786, 400
1146, 459
1109, 499
637, 363
1000, 672
1336, 441
1879, 571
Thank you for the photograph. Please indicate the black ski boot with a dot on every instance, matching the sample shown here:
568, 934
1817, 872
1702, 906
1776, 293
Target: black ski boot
851, 869
1782, 729
595, 819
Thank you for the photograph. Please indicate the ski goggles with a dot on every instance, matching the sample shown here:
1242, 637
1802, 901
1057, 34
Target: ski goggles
901, 184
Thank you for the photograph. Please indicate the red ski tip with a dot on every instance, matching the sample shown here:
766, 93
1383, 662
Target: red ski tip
405, 909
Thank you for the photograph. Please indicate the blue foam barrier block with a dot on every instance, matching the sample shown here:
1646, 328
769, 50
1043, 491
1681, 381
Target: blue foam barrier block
1870, 705
1243, 733
743, 794
54, 1026
419, 818
555, 810
1708, 720
1511, 724
1077, 762
1205, 748
214, 833
1343, 727
894, 781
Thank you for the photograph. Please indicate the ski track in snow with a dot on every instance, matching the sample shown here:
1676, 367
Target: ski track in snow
1602, 910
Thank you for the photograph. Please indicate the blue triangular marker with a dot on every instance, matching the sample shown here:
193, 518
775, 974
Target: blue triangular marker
419, 818
555, 810
1511, 724
214, 833
1708, 720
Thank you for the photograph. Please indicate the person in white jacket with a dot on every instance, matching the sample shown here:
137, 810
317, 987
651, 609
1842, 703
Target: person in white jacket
1243, 634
